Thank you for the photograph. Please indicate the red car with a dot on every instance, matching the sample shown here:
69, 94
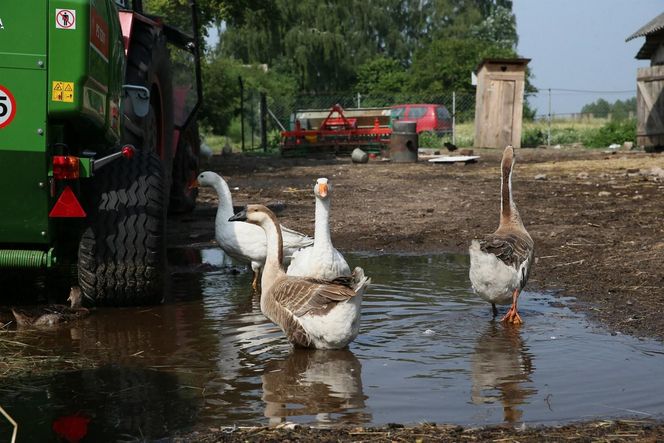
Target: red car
429, 117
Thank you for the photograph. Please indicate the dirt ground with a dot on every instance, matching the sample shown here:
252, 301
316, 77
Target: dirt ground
597, 219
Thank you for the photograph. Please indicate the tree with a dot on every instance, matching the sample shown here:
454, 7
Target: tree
599, 108
381, 75
446, 65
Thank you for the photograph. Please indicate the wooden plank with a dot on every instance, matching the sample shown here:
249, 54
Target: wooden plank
650, 106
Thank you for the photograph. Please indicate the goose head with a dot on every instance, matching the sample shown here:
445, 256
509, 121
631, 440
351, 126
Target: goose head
508, 160
207, 178
256, 214
322, 189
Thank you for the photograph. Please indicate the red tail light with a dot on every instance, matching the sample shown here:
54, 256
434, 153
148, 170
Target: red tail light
67, 205
65, 167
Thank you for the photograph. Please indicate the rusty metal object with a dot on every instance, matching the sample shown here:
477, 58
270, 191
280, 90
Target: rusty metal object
404, 142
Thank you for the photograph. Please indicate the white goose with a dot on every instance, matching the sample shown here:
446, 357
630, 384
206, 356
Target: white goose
244, 241
321, 260
312, 313
500, 263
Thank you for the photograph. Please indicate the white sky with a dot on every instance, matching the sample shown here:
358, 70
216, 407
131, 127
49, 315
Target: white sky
580, 45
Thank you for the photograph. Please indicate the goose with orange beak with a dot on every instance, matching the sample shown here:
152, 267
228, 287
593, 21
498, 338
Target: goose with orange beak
322, 260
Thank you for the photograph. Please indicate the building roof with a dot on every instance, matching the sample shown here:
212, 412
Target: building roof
503, 61
654, 26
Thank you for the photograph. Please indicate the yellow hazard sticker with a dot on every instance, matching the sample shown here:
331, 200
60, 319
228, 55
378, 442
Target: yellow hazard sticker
63, 92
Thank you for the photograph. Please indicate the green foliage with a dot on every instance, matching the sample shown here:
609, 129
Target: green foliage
445, 65
499, 28
221, 92
611, 132
533, 137
619, 110
381, 75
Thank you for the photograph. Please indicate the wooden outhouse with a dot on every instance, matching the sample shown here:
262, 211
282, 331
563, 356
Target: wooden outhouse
499, 102
650, 85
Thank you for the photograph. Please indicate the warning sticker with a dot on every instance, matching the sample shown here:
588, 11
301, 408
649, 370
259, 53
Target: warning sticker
65, 19
7, 107
63, 92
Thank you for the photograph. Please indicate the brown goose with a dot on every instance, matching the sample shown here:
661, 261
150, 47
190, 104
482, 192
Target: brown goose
500, 262
52, 315
313, 313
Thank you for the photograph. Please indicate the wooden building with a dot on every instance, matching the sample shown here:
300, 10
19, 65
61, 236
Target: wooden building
499, 102
650, 85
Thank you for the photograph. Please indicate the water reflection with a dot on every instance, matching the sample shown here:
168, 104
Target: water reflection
125, 402
326, 384
501, 367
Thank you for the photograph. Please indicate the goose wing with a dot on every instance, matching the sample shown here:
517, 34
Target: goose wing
511, 248
310, 296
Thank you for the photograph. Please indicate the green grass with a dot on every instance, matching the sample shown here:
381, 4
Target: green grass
595, 133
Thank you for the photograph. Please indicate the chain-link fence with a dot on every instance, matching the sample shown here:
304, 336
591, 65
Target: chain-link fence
262, 124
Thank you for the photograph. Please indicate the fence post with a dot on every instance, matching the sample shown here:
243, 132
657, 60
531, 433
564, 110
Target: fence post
358, 100
548, 134
239, 77
453, 117
263, 117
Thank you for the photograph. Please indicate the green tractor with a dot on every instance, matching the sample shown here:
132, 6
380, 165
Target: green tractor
98, 142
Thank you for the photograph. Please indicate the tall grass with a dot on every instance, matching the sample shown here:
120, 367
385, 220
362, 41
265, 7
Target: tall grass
592, 133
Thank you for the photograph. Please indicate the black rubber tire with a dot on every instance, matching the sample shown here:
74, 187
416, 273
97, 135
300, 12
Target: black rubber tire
185, 170
148, 65
122, 253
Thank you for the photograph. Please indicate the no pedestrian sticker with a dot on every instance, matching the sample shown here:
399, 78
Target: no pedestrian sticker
63, 92
7, 107
65, 18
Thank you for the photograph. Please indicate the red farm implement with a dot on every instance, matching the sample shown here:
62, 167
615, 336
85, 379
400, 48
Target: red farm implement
338, 132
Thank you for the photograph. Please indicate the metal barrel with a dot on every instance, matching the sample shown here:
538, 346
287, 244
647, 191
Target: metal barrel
404, 142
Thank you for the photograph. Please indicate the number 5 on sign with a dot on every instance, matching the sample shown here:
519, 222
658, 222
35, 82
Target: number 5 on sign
7, 107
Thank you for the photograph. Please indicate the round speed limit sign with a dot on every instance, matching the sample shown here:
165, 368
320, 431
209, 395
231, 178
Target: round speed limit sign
7, 107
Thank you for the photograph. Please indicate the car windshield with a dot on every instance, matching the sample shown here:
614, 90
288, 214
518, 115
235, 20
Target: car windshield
417, 111
398, 112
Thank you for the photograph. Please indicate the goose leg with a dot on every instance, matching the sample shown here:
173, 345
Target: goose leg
494, 309
256, 268
254, 282
512, 315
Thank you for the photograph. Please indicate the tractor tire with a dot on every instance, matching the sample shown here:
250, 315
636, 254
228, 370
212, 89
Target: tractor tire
148, 65
185, 170
122, 253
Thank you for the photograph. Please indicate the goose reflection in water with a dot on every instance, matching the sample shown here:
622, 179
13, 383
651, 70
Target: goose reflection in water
501, 368
317, 383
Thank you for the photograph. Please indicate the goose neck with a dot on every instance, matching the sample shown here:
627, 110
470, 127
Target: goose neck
274, 254
225, 206
322, 223
509, 214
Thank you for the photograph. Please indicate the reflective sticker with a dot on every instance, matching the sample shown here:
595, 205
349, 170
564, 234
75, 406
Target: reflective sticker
65, 19
62, 92
7, 107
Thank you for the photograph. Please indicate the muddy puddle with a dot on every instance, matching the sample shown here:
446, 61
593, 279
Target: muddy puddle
428, 351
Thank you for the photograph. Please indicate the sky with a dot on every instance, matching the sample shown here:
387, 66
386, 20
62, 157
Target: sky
580, 45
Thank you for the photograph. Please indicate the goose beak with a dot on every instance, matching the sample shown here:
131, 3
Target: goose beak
240, 216
193, 184
322, 190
